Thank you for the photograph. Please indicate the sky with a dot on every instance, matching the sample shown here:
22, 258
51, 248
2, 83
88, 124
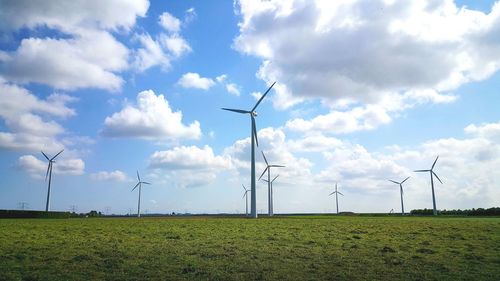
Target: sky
365, 91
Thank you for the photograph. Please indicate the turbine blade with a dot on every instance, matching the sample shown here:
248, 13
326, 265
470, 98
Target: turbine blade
135, 186
261, 98
434, 164
265, 180
437, 177
244, 194
236, 110
394, 181
45, 155
418, 171
265, 159
48, 168
340, 193
56, 155
331, 193
277, 166
244, 187
145, 182
138, 178
275, 177
263, 172
405, 180
254, 129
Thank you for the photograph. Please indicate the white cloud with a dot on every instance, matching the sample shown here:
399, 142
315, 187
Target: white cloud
22, 113
232, 89
221, 78
151, 54
188, 157
488, 131
72, 15
150, 118
175, 44
341, 122
87, 56
194, 80
189, 166
89, 60
110, 176
364, 51
169, 22
37, 168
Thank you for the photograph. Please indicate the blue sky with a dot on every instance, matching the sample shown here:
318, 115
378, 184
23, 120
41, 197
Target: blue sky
366, 91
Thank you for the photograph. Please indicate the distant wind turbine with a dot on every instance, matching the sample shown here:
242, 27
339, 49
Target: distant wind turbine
253, 137
401, 192
336, 197
272, 196
431, 171
49, 174
245, 195
268, 169
139, 184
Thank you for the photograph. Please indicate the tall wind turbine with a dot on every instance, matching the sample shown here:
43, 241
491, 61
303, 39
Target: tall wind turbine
431, 171
253, 137
245, 195
401, 192
336, 197
139, 184
49, 174
268, 169
272, 198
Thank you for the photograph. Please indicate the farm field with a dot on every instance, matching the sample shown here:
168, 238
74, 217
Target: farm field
279, 248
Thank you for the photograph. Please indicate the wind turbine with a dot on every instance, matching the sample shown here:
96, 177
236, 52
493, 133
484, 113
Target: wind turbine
336, 197
253, 137
245, 195
139, 184
431, 171
268, 169
401, 191
272, 198
49, 174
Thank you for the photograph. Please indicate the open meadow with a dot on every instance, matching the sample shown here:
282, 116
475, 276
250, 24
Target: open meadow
279, 248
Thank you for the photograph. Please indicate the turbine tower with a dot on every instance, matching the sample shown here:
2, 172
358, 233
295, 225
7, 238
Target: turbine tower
431, 171
245, 195
268, 169
272, 196
49, 174
401, 192
336, 197
139, 184
253, 137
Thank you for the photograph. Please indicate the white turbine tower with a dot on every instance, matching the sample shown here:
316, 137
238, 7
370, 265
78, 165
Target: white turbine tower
431, 171
254, 140
139, 184
401, 192
272, 196
49, 174
336, 197
268, 169
245, 195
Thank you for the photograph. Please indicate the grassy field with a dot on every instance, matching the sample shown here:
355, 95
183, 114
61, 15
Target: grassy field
286, 248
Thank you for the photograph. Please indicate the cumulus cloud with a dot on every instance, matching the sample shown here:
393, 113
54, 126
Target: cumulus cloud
163, 48
189, 166
22, 113
116, 175
169, 22
150, 118
87, 56
194, 80
37, 168
360, 51
232, 89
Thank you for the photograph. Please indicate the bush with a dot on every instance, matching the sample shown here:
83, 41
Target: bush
33, 214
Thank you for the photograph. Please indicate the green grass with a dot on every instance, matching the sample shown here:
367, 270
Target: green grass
287, 248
